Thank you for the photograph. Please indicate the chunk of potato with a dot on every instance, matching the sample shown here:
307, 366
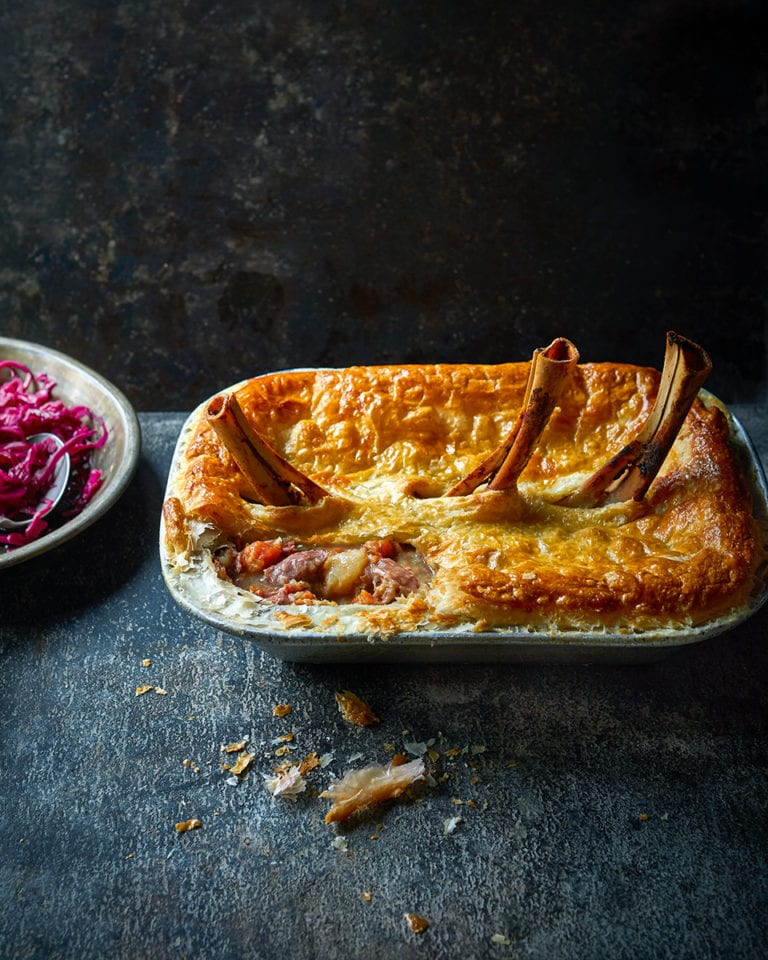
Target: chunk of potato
342, 572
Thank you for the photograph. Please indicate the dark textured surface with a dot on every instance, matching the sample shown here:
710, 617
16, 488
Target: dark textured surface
195, 192
199, 191
555, 857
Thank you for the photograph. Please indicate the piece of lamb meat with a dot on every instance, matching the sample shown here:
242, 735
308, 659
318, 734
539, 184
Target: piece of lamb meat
304, 565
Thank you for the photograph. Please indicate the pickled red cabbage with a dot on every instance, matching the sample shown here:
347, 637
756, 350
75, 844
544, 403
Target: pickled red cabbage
28, 407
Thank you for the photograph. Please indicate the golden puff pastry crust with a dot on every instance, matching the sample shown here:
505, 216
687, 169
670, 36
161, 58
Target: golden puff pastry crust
386, 442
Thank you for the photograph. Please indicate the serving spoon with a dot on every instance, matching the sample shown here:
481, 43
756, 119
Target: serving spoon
55, 491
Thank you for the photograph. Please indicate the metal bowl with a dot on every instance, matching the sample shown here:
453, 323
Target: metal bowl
117, 459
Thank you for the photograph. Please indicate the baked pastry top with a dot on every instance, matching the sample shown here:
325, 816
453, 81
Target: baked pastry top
387, 442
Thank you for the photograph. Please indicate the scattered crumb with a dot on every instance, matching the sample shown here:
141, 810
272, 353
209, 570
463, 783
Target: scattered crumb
242, 763
367, 896
309, 763
340, 843
389, 747
355, 710
185, 825
286, 783
146, 663
500, 938
130, 856
453, 752
416, 923
281, 710
449, 825
643, 817
146, 687
235, 747
284, 738
186, 763
286, 748
399, 759
361, 788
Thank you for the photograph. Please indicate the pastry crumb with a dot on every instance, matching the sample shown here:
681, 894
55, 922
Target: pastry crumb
281, 710
144, 688
358, 789
310, 762
286, 783
450, 824
417, 923
184, 826
355, 710
242, 763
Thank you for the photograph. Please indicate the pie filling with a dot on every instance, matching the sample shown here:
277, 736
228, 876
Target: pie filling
283, 571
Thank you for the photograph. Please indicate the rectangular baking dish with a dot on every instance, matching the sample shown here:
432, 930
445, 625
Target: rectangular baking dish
468, 645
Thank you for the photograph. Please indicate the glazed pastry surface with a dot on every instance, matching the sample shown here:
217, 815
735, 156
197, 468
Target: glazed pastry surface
387, 442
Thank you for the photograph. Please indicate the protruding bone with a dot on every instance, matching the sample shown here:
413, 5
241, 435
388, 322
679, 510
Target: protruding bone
275, 482
629, 474
551, 368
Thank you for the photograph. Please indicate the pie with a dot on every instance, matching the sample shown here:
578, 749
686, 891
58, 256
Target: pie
381, 500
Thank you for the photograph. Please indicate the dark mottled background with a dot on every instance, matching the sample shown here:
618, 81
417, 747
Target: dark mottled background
194, 192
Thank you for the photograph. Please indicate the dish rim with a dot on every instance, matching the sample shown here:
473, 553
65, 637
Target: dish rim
115, 485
